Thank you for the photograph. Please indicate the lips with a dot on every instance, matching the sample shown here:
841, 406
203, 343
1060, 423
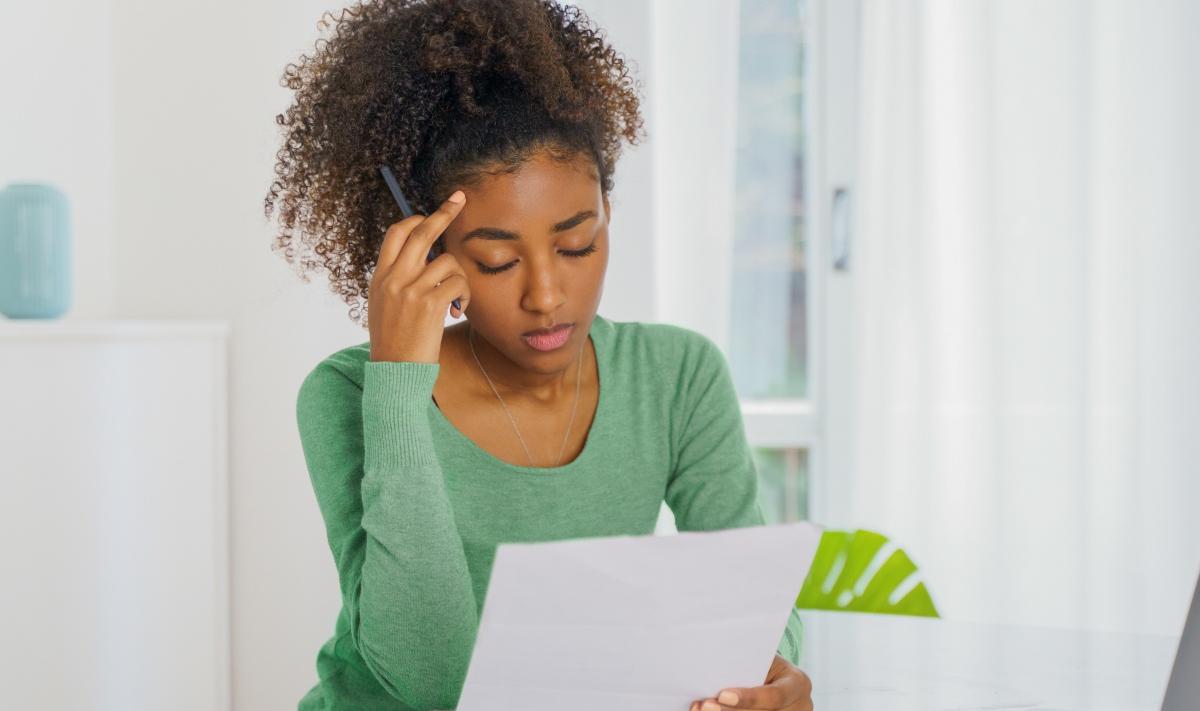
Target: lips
548, 341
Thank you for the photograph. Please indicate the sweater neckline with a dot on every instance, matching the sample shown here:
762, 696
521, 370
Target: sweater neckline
600, 344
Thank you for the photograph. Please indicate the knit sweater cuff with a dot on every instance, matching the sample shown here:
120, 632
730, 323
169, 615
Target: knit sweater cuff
395, 395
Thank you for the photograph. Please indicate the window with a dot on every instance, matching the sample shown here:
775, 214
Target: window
782, 483
734, 211
768, 328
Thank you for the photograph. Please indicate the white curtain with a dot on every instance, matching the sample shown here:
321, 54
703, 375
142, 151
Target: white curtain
1026, 306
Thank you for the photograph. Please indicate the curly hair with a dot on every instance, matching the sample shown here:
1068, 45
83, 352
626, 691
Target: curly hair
445, 92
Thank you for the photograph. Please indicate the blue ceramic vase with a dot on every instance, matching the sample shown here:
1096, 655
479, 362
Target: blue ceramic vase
35, 251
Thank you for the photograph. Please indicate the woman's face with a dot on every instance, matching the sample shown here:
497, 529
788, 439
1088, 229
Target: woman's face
527, 224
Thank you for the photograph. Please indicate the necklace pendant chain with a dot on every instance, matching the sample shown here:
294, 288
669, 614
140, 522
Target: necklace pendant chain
578, 380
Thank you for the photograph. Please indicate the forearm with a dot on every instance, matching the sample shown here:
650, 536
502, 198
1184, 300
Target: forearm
417, 614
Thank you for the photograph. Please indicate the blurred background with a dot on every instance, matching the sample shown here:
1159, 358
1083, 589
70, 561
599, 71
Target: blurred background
949, 248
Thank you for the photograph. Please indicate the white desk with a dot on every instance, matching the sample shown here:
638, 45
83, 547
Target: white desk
864, 662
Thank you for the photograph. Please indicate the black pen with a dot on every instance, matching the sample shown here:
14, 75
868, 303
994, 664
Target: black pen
407, 211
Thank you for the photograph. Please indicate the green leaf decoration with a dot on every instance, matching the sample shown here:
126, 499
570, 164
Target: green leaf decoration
841, 577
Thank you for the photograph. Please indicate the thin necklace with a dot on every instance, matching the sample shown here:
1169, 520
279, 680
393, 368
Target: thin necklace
574, 407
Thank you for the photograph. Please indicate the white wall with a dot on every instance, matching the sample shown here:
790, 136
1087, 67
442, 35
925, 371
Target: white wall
56, 123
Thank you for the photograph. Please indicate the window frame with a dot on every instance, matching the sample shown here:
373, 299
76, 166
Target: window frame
690, 292
688, 70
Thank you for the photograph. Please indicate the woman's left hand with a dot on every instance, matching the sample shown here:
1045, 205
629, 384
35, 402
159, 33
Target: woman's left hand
787, 689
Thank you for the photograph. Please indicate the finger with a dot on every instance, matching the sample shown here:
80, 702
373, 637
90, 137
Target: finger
415, 250
393, 240
441, 269
453, 287
804, 682
776, 695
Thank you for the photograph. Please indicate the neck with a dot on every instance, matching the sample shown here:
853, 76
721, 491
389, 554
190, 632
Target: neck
512, 380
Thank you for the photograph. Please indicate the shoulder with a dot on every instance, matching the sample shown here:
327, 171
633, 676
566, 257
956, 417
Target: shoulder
661, 339
338, 372
682, 370
678, 354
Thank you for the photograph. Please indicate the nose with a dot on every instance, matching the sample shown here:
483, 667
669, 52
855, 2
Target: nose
543, 290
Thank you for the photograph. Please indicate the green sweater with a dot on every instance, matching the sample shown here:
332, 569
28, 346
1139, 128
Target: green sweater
414, 509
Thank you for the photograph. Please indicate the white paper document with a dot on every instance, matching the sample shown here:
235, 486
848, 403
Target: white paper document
637, 623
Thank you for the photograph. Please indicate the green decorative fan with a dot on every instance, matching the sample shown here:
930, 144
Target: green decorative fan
841, 577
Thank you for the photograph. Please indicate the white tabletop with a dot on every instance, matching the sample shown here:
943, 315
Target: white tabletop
861, 662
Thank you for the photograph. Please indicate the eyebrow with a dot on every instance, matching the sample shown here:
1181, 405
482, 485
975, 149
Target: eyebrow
496, 233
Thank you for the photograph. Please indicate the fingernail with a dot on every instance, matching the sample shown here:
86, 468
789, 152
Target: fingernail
457, 196
709, 706
728, 698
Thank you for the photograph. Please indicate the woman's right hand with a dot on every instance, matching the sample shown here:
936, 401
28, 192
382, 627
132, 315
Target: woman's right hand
406, 312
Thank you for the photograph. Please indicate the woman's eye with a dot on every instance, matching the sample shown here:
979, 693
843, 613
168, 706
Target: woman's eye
495, 270
580, 252
566, 252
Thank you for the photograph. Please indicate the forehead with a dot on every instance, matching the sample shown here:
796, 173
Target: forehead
540, 190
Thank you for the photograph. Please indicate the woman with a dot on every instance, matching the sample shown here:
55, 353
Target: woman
533, 419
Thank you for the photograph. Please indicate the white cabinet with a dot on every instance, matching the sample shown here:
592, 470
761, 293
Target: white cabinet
114, 515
